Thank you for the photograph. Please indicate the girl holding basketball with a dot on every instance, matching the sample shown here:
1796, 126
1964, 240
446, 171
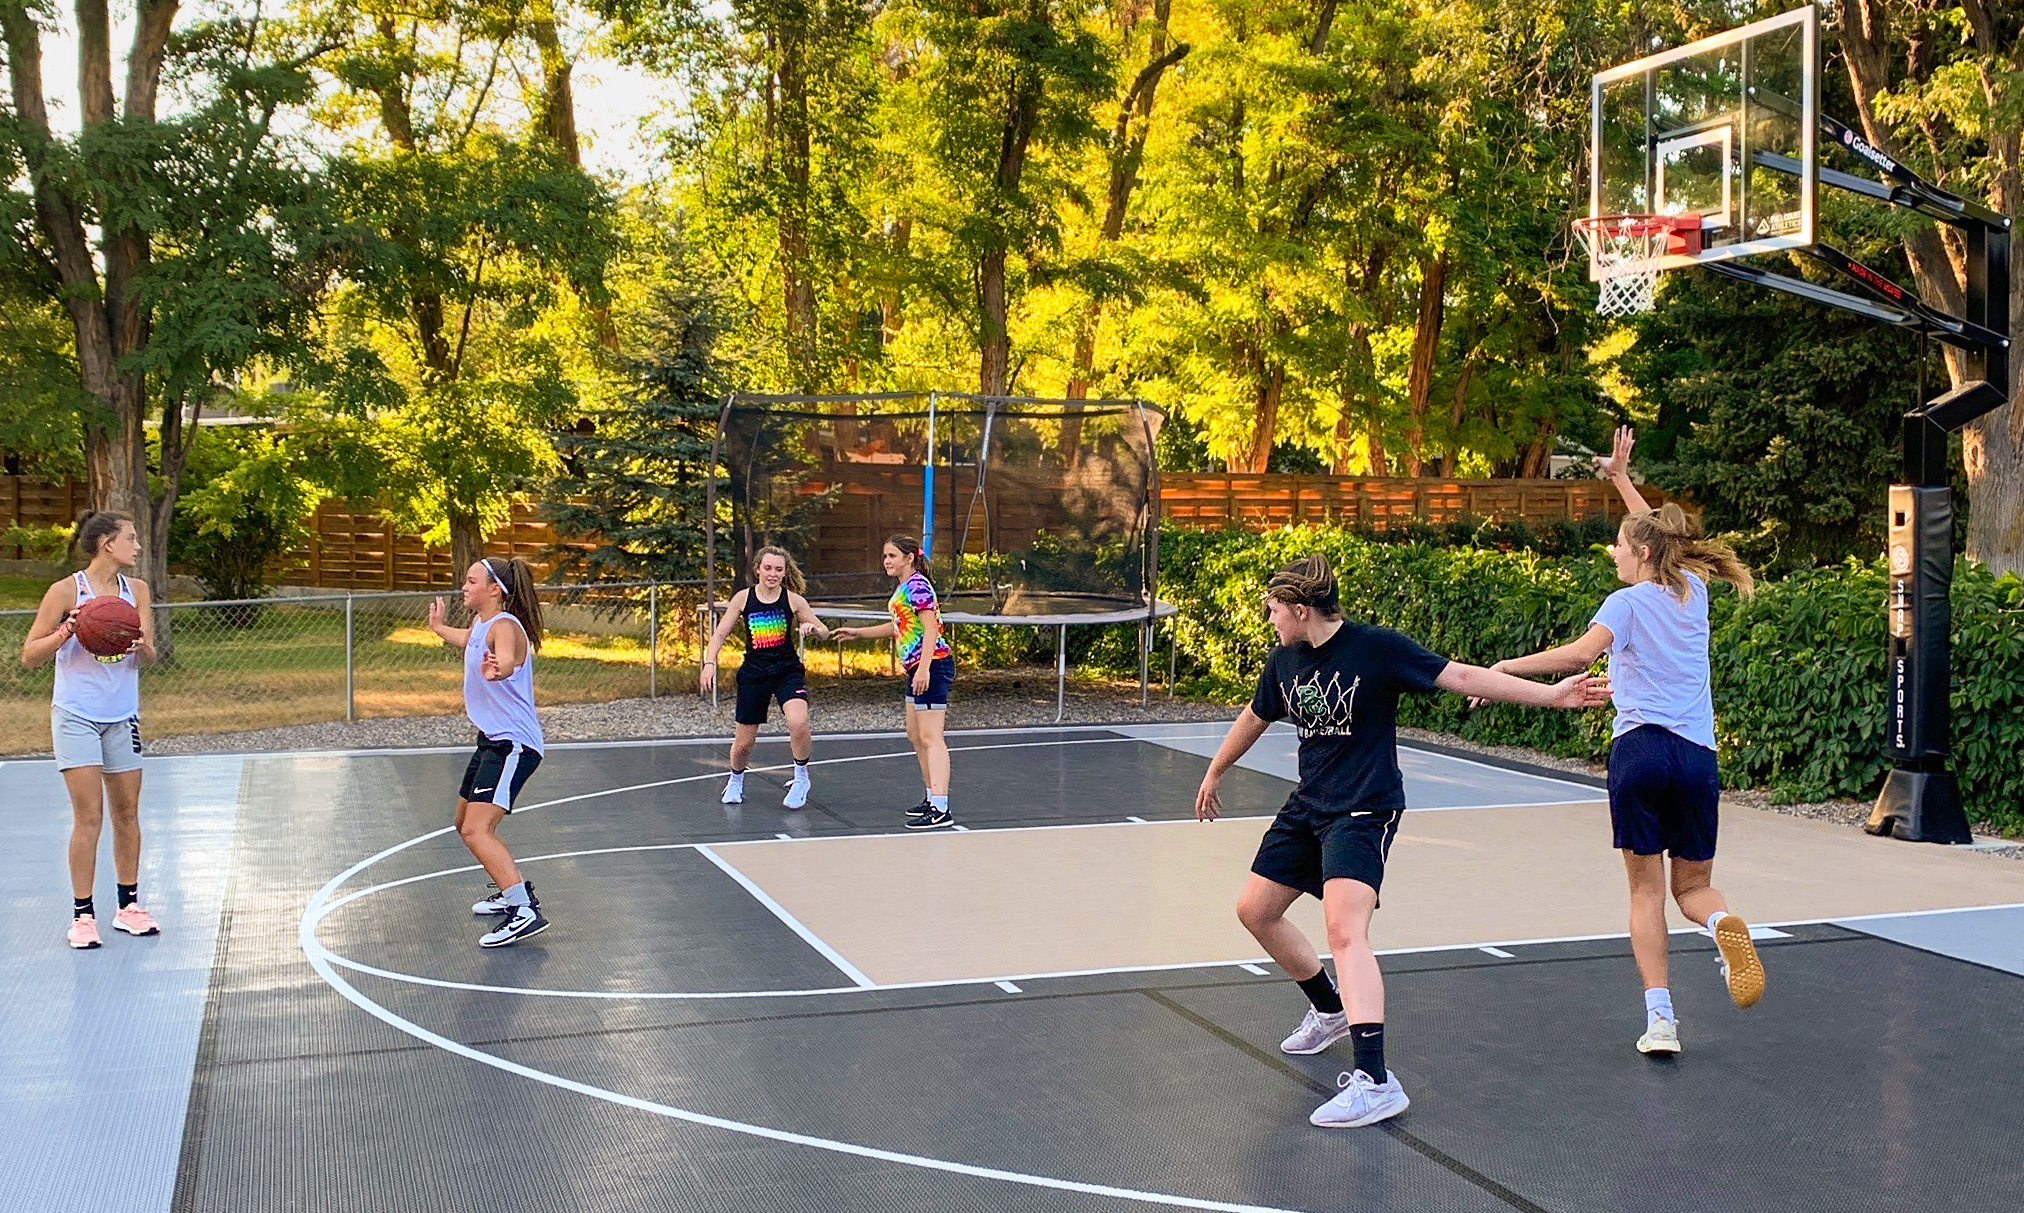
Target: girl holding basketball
499, 649
770, 609
94, 716
930, 672
1663, 787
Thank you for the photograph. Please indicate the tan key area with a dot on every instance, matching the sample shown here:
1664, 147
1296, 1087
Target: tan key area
1005, 903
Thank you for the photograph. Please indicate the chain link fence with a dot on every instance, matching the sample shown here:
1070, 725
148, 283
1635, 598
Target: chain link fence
263, 663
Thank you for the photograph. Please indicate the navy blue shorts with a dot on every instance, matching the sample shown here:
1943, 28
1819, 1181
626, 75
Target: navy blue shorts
1663, 794
941, 680
1305, 850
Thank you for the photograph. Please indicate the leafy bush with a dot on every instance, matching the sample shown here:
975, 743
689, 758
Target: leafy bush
50, 543
1798, 671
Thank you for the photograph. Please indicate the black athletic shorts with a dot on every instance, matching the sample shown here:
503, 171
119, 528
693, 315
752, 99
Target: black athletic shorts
1664, 794
758, 688
1304, 849
497, 772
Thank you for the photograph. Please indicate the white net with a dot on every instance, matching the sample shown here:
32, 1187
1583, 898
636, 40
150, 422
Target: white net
1625, 251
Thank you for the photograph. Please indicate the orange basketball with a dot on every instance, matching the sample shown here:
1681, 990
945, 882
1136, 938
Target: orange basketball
107, 625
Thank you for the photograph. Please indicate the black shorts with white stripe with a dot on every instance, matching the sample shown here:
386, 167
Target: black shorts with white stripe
497, 771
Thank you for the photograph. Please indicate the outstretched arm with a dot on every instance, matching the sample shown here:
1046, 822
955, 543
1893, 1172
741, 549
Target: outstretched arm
1616, 470
1576, 654
1575, 691
1244, 733
811, 624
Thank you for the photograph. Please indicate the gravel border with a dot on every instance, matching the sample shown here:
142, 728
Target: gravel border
984, 699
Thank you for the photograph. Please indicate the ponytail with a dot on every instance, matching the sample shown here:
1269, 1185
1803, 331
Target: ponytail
516, 578
1676, 548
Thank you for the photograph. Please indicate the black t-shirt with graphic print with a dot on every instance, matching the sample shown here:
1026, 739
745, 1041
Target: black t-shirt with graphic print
1343, 696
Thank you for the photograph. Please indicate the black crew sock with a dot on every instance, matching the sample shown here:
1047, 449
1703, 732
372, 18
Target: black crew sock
128, 894
1320, 990
80, 906
1367, 1040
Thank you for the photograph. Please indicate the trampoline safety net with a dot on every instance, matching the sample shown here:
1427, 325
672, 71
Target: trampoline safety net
1025, 507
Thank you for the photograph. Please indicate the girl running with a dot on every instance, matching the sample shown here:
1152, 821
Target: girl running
1340, 683
499, 702
930, 672
1663, 788
94, 721
769, 609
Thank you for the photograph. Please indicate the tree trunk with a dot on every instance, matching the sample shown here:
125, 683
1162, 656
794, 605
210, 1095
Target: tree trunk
1022, 112
996, 343
1453, 458
1271, 386
797, 285
1426, 344
467, 542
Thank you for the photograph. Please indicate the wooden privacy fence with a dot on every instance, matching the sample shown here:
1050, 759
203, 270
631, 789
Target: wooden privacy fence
349, 550
1262, 500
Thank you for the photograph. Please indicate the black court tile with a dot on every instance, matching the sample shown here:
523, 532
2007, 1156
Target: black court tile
1874, 1076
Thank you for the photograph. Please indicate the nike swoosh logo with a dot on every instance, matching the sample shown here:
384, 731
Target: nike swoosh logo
476, 791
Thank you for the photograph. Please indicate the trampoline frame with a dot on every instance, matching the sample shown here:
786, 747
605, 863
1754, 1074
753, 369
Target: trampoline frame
1146, 615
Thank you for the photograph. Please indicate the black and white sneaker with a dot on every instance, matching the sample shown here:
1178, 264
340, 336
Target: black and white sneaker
920, 810
523, 922
496, 903
934, 820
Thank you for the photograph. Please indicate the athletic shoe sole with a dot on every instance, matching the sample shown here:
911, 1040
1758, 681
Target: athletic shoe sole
117, 925
1740, 966
1657, 1048
85, 947
1369, 1118
922, 823
1333, 1037
529, 933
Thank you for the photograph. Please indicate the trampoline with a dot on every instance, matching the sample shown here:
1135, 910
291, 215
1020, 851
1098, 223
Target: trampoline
1035, 513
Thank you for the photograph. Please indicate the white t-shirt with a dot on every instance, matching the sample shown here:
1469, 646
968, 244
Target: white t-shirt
1658, 659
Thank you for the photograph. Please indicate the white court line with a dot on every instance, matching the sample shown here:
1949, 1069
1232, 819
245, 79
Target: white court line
1499, 953
1251, 968
1006, 986
1139, 820
319, 960
793, 924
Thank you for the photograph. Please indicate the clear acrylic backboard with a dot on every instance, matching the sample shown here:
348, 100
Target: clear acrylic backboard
1723, 129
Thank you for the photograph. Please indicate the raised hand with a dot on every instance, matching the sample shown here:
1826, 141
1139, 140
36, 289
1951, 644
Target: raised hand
435, 612
1618, 462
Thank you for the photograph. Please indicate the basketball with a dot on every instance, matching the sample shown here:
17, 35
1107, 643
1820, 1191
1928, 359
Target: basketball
108, 626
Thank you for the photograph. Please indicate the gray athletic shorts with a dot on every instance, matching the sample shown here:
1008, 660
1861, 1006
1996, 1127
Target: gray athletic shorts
85, 743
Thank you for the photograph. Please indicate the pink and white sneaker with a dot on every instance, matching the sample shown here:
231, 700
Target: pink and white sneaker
136, 921
84, 931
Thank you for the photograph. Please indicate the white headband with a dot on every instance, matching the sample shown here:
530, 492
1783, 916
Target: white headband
496, 580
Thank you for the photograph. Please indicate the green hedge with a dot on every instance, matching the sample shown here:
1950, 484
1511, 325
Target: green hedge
1798, 670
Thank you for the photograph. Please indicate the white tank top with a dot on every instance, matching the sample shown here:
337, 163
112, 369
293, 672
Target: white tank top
504, 710
89, 687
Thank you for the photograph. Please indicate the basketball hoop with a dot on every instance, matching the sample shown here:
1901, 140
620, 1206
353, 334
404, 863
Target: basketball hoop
1625, 251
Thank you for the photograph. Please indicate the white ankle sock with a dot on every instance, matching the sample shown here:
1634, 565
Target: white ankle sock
1714, 918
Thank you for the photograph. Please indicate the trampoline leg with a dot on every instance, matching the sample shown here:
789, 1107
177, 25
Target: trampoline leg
1145, 657
1060, 673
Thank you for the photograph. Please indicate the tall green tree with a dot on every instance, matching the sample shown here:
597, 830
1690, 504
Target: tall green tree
184, 246
1940, 87
482, 289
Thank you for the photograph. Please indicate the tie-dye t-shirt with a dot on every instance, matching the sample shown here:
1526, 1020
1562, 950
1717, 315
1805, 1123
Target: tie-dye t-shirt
769, 633
916, 594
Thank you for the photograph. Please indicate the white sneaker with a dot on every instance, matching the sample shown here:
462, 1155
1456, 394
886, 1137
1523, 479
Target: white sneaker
1362, 1102
1316, 1032
797, 793
521, 923
1663, 1036
734, 790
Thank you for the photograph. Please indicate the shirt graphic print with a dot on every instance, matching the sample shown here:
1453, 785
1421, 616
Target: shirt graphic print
915, 594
